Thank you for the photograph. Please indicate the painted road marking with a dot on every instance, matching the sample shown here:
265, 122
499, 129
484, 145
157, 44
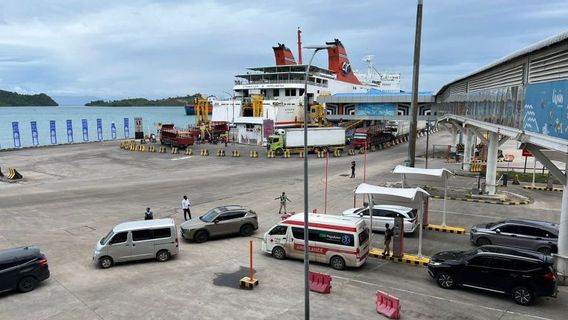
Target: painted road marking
505, 311
182, 158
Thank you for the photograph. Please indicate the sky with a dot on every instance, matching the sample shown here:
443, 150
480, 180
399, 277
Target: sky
75, 49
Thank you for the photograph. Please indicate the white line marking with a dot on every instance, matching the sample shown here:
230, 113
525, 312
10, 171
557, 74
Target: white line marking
443, 299
182, 158
469, 214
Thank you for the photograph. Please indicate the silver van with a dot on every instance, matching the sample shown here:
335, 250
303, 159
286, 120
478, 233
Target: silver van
138, 240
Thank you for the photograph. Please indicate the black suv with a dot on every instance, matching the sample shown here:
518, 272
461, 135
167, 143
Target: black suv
523, 274
22, 268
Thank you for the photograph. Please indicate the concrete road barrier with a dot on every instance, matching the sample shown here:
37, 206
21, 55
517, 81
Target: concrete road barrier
188, 151
253, 154
236, 153
204, 152
270, 154
162, 149
286, 154
175, 150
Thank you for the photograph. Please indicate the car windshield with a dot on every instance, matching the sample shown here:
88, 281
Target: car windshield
105, 238
209, 216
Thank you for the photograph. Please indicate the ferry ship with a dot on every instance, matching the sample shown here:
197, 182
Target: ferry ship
281, 90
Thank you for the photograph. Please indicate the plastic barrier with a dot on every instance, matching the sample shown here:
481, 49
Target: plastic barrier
175, 150
204, 152
236, 153
320, 282
188, 151
387, 305
220, 153
13, 174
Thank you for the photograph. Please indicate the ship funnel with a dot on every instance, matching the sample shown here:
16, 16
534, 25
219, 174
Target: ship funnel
283, 55
339, 63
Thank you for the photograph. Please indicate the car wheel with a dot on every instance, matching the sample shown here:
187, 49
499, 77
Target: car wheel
483, 241
545, 250
105, 262
279, 253
27, 284
523, 295
445, 280
201, 236
163, 256
337, 263
246, 230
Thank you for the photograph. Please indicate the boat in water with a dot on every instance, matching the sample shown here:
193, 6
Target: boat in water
270, 97
190, 109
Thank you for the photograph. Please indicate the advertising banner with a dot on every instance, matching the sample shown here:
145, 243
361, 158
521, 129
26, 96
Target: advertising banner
545, 110
113, 131
69, 131
35, 138
126, 129
376, 110
85, 130
52, 132
100, 129
268, 126
16, 135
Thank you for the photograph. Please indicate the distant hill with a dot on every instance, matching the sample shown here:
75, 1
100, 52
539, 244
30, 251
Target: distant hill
136, 102
13, 99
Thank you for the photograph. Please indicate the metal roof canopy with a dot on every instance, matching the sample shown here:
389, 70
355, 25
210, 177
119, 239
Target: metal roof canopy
408, 197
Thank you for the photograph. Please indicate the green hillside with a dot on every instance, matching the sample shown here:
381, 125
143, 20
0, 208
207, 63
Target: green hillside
13, 99
171, 101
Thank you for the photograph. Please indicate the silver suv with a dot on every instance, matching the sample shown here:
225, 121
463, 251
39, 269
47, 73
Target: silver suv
536, 235
220, 221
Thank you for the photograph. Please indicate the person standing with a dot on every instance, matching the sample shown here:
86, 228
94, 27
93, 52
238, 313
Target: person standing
352, 169
185, 204
283, 198
148, 215
388, 237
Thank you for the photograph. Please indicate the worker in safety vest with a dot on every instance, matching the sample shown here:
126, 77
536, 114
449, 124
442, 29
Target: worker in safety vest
283, 198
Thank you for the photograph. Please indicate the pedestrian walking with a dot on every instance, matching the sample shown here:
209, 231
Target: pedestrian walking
148, 215
388, 237
352, 169
283, 198
185, 204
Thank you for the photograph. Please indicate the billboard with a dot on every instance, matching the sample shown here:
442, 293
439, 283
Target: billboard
376, 110
546, 108
268, 127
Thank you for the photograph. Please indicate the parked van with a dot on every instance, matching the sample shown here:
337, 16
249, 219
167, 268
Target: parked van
137, 240
340, 241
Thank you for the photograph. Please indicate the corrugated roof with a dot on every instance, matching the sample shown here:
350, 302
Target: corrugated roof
380, 93
519, 53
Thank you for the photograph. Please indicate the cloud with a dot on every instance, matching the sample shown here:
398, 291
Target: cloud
163, 48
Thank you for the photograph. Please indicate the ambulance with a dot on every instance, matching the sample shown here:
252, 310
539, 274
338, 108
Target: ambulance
335, 240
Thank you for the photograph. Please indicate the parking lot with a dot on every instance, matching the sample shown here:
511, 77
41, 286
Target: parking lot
73, 195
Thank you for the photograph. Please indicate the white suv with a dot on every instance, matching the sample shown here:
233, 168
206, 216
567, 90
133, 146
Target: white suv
383, 214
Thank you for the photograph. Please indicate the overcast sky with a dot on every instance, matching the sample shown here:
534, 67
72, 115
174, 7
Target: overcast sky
151, 48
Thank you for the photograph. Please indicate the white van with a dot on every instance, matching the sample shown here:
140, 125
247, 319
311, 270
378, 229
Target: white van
137, 240
340, 241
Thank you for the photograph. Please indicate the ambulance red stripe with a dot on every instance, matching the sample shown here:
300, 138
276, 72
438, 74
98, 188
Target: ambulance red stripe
321, 225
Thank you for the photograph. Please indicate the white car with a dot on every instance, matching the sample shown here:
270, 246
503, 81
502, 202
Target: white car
383, 214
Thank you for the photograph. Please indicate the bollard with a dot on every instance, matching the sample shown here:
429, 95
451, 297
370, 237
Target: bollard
249, 282
236, 153
175, 150
286, 154
188, 151
301, 154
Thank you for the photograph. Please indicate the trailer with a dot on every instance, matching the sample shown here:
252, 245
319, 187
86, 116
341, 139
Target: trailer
319, 139
171, 136
370, 137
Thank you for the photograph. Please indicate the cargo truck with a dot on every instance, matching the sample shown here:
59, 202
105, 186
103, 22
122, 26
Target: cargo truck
319, 139
370, 137
171, 136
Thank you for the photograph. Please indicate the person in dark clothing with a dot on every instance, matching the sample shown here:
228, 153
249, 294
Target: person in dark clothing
148, 215
388, 237
352, 169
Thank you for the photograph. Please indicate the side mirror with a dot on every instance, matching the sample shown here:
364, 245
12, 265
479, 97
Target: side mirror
216, 221
498, 230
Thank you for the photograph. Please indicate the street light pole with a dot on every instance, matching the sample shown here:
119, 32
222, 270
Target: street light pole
415, 74
306, 234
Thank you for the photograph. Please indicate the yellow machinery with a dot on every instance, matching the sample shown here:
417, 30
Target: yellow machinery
317, 114
257, 106
202, 111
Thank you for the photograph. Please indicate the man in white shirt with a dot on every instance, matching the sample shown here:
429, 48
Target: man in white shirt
185, 204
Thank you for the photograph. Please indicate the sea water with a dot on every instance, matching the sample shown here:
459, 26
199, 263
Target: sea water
151, 117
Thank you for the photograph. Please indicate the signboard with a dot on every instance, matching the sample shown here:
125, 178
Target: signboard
268, 127
113, 131
100, 129
35, 138
126, 129
138, 128
545, 108
16, 135
376, 109
527, 153
52, 132
85, 130
69, 131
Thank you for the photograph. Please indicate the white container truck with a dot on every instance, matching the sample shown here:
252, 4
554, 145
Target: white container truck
319, 139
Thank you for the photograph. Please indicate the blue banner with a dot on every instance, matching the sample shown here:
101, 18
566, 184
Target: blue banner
52, 132
16, 135
70, 131
35, 138
126, 129
546, 108
85, 130
113, 131
100, 129
376, 109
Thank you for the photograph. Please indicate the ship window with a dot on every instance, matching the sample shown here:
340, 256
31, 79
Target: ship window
292, 92
287, 92
301, 92
275, 92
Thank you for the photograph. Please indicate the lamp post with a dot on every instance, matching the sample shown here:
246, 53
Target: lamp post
306, 235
